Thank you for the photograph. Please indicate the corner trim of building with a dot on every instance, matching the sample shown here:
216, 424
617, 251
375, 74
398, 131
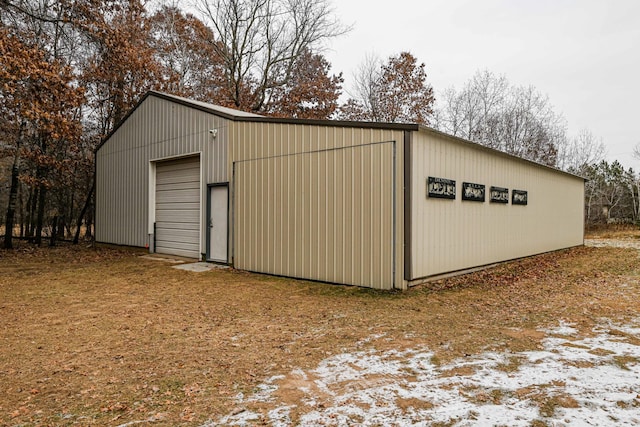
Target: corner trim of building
407, 206
95, 192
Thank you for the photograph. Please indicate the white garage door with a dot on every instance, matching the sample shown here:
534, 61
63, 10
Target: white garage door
178, 207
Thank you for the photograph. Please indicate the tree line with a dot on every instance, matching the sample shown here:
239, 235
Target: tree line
491, 111
71, 69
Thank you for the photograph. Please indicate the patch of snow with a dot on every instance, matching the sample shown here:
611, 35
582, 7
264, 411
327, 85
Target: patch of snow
563, 329
279, 417
591, 380
242, 419
369, 339
265, 390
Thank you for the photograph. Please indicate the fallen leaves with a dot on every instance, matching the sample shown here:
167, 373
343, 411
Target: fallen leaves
116, 335
21, 411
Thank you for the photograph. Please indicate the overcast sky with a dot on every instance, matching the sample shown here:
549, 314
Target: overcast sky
583, 54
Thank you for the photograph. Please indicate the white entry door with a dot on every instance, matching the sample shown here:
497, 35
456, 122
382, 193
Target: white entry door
218, 223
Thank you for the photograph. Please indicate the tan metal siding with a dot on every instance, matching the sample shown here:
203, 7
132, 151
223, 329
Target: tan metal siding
323, 215
450, 235
334, 234
158, 129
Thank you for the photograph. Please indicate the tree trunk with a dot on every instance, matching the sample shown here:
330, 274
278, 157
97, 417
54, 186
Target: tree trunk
31, 211
637, 189
88, 233
42, 194
60, 231
41, 173
70, 215
21, 209
87, 202
54, 231
589, 204
27, 211
13, 196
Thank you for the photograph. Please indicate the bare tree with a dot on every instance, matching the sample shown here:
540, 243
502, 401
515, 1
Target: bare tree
366, 83
580, 150
259, 42
449, 117
490, 111
472, 113
636, 151
632, 182
530, 127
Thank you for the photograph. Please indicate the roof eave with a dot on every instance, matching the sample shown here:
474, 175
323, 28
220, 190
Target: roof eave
258, 119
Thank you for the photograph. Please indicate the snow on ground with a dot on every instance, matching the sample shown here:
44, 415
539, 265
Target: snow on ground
573, 380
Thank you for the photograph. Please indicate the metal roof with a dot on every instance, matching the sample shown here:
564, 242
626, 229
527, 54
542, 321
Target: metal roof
215, 109
237, 115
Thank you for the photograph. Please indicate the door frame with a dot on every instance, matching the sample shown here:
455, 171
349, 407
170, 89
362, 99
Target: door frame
208, 233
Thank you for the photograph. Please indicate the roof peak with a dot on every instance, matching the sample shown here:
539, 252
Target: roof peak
213, 108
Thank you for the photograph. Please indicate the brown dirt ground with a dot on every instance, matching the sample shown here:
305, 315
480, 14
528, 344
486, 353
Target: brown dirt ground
102, 337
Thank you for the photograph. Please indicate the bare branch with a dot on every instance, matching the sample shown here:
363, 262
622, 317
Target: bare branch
517, 120
260, 41
636, 151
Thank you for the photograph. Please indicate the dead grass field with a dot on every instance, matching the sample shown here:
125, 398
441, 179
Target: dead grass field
104, 337
617, 231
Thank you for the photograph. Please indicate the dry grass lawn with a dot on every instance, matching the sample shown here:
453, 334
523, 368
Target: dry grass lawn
104, 337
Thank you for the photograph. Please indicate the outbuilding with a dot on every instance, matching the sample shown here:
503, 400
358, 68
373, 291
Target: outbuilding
380, 205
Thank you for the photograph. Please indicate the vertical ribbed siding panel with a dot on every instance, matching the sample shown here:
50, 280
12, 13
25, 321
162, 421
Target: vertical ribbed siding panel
304, 221
451, 235
297, 218
321, 210
157, 129
348, 200
316, 185
337, 227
